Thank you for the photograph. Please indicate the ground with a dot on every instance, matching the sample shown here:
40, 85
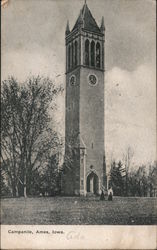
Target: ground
77, 211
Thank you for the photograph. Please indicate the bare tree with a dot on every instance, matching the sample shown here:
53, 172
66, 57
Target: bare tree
127, 163
27, 137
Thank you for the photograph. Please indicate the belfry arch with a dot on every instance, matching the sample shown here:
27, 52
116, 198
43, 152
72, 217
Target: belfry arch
69, 55
92, 53
87, 52
98, 55
75, 53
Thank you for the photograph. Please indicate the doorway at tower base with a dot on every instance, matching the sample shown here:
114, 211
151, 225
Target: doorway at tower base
93, 183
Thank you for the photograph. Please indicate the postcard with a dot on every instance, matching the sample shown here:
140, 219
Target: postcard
78, 124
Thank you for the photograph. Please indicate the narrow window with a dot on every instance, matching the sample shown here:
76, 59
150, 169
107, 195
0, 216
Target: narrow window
92, 53
87, 52
98, 55
76, 47
72, 56
69, 57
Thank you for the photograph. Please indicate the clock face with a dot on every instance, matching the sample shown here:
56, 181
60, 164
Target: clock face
92, 79
72, 80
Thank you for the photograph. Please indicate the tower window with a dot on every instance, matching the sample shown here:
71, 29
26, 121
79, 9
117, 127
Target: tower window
69, 57
98, 55
76, 53
92, 53
72, 56
87, 52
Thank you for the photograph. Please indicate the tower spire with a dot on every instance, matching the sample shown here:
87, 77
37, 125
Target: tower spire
67, 31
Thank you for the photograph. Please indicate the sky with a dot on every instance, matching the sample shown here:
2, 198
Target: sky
33, 42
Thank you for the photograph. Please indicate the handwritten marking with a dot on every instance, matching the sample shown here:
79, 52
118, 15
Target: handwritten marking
72, 235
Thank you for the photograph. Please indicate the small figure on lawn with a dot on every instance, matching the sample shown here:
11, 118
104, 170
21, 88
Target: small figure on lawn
102, 197
110, 194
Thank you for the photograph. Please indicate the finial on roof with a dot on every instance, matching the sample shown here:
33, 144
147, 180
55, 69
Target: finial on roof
85, 2
102, 27
67, 31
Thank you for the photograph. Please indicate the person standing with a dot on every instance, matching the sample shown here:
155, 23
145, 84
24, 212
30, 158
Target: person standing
110, 194
102, 197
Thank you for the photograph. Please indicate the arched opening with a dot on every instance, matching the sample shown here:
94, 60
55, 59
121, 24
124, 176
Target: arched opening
98, 55
92, 183
76, 53
87, 52
92, 53
69, 57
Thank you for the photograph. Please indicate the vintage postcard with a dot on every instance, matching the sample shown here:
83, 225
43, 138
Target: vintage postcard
78, 124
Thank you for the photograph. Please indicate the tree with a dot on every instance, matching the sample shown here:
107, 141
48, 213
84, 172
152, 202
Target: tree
152, 179
27, 138
138, 182
116, 178
127, 159
50, 175
132, 183
5, 189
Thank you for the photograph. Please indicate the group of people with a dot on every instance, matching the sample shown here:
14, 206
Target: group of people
108, 193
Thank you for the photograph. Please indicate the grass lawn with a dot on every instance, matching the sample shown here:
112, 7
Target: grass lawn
79, 211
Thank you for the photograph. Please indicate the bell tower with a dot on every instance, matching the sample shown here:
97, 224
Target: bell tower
84, 170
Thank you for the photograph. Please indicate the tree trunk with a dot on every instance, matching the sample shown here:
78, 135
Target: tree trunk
25, 193
13, 186
25, 190
17, 192
126, 184
14, 191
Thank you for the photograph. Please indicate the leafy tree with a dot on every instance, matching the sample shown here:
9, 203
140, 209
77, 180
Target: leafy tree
27, 138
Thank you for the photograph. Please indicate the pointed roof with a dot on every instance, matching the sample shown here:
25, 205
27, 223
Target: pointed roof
89, 22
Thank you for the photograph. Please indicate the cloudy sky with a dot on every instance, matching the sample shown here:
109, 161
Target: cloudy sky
33, 42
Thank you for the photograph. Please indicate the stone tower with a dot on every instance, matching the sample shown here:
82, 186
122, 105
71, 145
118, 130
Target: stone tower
85, 170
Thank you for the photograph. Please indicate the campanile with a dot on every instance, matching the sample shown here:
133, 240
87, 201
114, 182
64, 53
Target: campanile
85, 170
